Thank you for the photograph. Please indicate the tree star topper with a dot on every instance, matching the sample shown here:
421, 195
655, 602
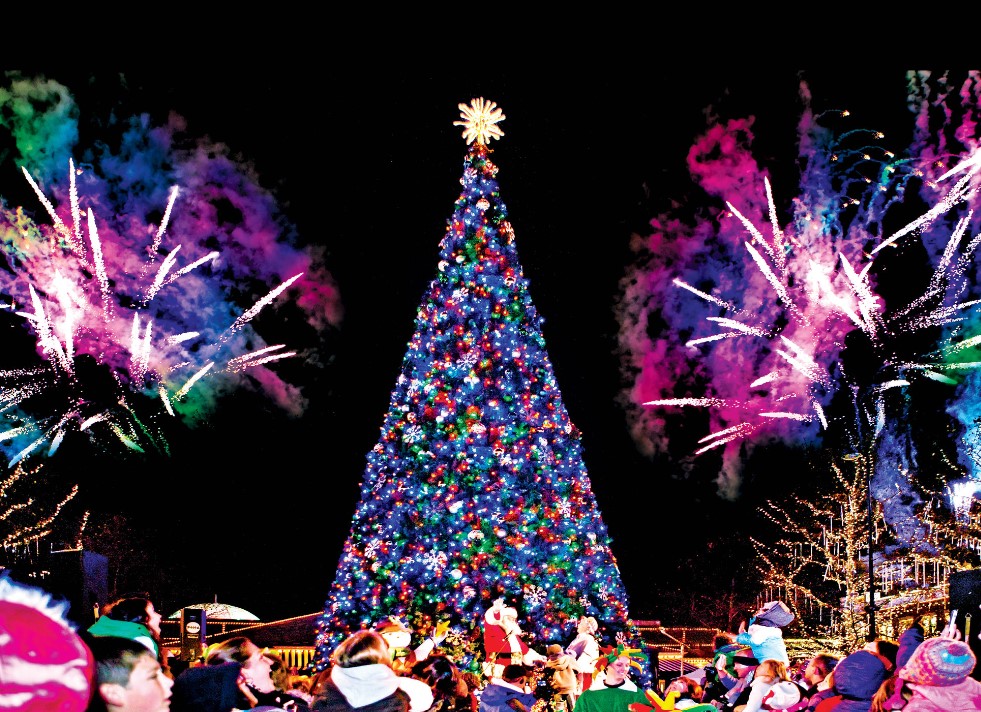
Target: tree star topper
480, 121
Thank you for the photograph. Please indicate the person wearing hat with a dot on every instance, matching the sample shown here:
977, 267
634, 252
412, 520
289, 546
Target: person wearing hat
937, 678
856, 679
612, 691
563, 674
44, 664
764, 634
745, 666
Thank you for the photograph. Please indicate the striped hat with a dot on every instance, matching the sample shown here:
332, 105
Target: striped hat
939, 661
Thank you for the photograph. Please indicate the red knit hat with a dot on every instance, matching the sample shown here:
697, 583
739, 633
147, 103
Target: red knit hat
44, 665
939, 661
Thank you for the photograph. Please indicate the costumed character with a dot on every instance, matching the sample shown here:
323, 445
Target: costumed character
585, 649
667, 704
44, 664
611, 655
398, 637
502, 641
764, 634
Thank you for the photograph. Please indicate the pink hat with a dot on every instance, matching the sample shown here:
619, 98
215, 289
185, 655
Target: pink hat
44, 665
940, 662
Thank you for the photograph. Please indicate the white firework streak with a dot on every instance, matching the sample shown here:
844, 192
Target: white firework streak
868, 304
139, 349
721, 437
777, 254
802, 362
688, 401
179, 338
715, 337
707, 297
825, 287
70, 239
100, 267
49, 344
790, 416
255, 358
76, 211
192, 380
958, 194
257, 307
165, 221
762, 380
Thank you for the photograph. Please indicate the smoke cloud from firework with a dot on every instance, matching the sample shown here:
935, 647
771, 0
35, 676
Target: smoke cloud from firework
139, 265
837, 315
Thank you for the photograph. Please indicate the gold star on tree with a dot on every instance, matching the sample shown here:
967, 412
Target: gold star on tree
480, 121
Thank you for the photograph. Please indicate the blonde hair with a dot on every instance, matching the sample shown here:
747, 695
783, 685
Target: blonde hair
776, 669
366, 647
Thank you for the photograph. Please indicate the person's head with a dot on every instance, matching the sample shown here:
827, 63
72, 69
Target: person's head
587, 624
939, 661
128, 677
744, 663
365, 647
616, 670
553, 651
774, 614
442, 675
393, 630
885, 649
44, 664
279, 671
134, 609
771, 670
256, 667
686, 688
515, 674
818, 668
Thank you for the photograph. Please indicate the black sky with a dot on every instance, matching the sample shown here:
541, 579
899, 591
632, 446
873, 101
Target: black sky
255, 512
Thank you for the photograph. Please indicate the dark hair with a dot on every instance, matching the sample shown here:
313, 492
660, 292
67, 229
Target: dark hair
131, 609
514, 672
824, 662
115, 658
441, 674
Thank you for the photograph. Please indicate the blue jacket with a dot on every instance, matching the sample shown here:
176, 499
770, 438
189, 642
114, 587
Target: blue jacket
495, 697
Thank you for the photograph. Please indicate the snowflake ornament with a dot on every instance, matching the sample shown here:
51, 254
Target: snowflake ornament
535, 596
480, 121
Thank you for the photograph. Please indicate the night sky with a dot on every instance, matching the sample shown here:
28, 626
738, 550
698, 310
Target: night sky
253, 507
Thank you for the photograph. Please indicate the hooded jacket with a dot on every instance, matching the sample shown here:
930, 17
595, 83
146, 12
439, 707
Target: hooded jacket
965, 696
856, 680
368, 684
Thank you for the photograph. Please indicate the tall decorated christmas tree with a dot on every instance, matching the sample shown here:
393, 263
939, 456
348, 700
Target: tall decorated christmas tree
477, 489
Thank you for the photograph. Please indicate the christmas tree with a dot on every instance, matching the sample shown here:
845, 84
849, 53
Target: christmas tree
476, 489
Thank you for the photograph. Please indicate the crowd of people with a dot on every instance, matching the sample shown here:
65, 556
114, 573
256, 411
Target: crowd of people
119, 665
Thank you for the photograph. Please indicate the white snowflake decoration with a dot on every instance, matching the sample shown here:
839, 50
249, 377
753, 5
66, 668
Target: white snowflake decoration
468, 359
565, 508
480, 121
412, 434
468, 593
535, 595
371, 550
434, 560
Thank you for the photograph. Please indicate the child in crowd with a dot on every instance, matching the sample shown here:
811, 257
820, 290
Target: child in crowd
765, 634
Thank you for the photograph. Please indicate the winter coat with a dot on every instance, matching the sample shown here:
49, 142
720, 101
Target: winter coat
965, 696
766, 641
909, 640
498, 693
563, 680
857, 678
366, 685
585, 650
207, 688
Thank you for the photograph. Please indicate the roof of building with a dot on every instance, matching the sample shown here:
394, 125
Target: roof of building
220, 612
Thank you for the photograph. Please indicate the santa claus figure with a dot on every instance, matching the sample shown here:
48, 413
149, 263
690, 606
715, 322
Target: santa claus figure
502, 641
399, 637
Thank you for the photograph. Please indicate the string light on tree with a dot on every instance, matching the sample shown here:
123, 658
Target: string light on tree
476, 489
